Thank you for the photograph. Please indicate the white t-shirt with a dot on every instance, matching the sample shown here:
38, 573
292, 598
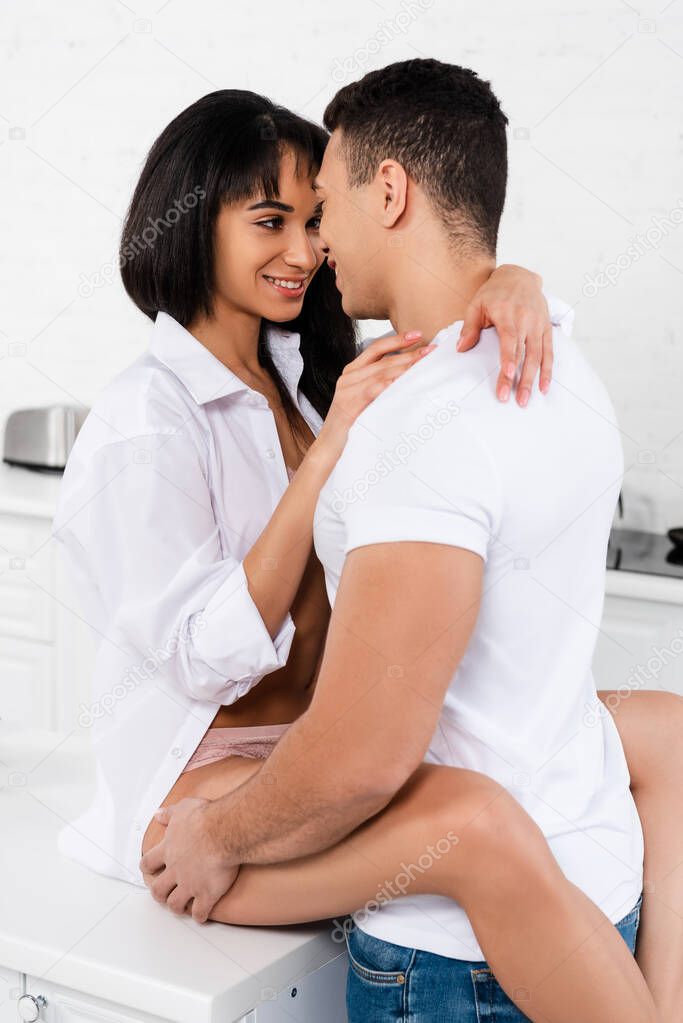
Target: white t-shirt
436, 457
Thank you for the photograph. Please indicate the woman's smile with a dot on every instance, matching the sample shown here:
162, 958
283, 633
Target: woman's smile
290, 287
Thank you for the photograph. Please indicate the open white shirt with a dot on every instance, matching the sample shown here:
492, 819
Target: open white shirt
175, 473
173, 476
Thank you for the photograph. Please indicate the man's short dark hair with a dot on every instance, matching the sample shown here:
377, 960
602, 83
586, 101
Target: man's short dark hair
445, 127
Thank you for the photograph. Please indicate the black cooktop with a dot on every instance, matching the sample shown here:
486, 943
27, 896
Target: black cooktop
630, 550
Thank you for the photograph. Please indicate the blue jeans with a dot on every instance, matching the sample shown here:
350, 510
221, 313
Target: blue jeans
388, 982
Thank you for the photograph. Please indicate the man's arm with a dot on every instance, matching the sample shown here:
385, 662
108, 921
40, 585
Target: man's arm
402, 619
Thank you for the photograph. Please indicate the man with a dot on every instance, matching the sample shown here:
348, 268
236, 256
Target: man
464, 549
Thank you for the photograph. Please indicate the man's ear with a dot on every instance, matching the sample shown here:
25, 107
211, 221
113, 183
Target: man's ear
393, 182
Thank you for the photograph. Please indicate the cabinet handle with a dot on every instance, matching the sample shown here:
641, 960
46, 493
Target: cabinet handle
29, 1007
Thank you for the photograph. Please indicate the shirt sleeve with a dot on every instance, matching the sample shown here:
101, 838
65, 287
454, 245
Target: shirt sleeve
409, 484
154, 548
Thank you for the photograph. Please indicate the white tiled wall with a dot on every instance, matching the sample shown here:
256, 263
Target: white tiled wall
593, 90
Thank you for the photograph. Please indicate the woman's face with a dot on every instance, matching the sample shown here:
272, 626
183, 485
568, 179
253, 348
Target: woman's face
266, 255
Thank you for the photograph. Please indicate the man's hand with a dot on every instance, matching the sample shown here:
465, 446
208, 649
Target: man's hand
512, 301
188, 865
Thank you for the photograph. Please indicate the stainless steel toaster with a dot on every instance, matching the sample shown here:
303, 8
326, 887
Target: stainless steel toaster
41, 438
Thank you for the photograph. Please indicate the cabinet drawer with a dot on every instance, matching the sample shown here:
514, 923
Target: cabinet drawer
27, 578
64, 1005
75, 1009
27, 683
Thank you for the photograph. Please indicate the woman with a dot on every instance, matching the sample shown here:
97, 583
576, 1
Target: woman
217, 402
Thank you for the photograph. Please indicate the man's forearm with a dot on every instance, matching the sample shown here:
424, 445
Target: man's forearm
299, 802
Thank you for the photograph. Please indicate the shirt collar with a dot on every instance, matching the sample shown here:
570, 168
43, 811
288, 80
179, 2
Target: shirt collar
205, 376
448, 332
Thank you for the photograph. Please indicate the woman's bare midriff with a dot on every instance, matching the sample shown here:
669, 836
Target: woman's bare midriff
285, 694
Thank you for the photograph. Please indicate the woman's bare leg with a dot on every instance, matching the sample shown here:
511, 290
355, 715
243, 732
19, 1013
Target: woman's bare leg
650, 724
552, 950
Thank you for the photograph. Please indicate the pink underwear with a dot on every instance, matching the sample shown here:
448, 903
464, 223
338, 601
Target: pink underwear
256, 741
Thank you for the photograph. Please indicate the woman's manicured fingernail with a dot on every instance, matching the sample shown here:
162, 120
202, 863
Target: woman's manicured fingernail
545, 386
413, 335
460, 343
524, 396
427, 349
504, 392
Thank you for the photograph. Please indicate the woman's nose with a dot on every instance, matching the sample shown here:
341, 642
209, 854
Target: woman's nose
302, 253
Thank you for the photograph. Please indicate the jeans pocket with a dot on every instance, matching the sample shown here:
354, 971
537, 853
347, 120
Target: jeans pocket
376, 961
491, 1002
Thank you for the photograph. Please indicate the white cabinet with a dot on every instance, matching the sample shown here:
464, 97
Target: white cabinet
27, 682
640, 644
317, 996
46, 650
27, 580
303, 1002
55, 1004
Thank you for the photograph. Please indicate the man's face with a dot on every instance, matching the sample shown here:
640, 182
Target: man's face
356, 241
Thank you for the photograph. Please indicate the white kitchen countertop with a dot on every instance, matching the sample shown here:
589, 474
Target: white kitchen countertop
643, 586
110, 939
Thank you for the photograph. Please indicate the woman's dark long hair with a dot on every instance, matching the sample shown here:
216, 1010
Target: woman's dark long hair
224, 148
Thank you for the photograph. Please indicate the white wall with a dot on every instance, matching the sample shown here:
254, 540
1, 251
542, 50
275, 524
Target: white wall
594, 93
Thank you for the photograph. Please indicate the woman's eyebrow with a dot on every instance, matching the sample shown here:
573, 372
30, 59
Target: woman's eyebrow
271, 204
274, 205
